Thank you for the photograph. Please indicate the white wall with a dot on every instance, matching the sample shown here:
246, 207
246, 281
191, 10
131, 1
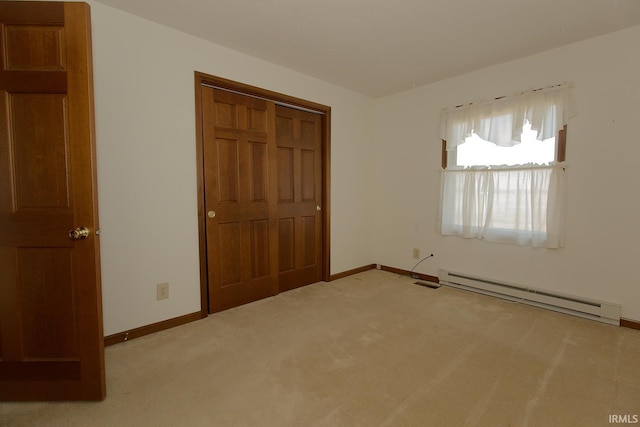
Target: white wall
603, 156
145, 125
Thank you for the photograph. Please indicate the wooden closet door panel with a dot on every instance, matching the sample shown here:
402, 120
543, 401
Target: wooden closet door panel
239, 174
299, 144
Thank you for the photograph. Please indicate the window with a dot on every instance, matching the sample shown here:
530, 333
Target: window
503, 176
475, 151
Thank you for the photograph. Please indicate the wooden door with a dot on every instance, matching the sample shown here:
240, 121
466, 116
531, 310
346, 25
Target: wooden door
239, 173
51, 340
263, 161
299, 141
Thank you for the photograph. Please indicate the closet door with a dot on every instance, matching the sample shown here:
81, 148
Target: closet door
240, 198
299, 141
264, 173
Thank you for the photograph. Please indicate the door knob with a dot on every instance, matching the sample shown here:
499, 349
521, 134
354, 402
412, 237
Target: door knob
318, 208
79, 233
211, 214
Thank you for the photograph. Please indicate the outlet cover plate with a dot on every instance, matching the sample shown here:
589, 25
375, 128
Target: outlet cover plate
162, 291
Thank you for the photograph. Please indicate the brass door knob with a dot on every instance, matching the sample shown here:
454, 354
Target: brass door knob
79, 233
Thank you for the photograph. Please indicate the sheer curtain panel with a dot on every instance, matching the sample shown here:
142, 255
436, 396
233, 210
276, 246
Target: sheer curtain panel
501, 121
522, 204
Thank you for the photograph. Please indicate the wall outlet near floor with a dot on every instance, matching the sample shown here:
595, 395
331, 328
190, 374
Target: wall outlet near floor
416, 253
162, 291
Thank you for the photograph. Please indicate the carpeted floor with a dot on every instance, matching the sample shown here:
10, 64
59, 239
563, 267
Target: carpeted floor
369, 350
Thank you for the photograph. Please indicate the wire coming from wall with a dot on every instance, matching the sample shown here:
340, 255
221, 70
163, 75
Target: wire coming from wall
411, 272
417, 277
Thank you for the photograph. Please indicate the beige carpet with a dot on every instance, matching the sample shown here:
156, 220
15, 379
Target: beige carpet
368, 350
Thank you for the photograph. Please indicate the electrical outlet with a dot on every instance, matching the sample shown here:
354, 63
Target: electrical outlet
416, 253
162, 291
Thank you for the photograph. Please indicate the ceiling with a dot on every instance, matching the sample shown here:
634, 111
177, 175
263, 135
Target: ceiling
380, 47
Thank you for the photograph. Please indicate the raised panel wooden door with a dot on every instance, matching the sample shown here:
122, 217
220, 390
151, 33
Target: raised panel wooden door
51, 340
239, 174
299, 163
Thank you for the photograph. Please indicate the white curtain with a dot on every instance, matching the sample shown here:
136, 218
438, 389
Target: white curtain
523, 205
518, 205
501, 121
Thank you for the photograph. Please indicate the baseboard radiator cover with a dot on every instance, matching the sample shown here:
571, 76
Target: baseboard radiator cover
602, 311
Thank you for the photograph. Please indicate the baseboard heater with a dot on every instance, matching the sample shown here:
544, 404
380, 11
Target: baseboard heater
601, 311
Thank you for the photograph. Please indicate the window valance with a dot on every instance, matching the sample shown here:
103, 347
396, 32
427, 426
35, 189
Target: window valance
501, 120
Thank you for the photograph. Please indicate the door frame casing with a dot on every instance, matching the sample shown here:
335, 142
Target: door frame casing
203, 79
